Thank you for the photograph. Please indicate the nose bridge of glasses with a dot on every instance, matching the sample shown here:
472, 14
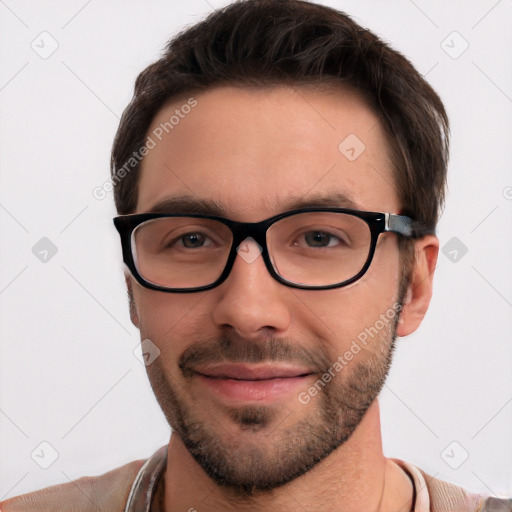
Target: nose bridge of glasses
249, 240
249, 232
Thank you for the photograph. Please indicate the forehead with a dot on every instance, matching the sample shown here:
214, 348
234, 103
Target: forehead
252, 153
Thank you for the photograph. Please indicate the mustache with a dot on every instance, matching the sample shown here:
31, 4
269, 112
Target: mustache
235, 349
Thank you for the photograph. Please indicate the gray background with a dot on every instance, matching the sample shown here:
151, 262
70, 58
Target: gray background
69, 375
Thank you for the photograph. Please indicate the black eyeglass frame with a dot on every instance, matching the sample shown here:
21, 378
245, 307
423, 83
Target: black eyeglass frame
377, 222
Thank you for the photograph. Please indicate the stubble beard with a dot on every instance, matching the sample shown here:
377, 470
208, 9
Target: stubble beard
270, 453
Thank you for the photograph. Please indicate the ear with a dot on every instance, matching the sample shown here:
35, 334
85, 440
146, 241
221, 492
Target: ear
133, 310
419, 292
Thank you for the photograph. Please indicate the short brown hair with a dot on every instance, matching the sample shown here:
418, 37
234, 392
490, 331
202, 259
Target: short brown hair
267, 42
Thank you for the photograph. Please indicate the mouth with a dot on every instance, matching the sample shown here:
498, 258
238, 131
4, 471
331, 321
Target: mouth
253, 373
249, 383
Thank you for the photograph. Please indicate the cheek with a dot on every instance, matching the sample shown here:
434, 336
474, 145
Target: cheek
167, 319
341, 315
348, 309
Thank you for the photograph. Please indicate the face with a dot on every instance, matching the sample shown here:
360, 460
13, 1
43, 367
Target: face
261, 381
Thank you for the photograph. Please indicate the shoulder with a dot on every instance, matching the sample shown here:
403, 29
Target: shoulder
446, 496
104, 492
441, 496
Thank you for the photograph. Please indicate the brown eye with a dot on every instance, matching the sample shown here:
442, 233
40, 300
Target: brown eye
318, 239
193, 240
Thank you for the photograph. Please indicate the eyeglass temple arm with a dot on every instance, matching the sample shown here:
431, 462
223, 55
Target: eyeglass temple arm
399, 224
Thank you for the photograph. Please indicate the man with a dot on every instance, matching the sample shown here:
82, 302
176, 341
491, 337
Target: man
278, 177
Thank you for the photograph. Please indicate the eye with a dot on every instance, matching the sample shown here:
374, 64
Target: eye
192, 240
321, 239
318, 239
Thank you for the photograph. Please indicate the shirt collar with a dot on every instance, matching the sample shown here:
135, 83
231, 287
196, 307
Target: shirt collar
146, 483
422, 498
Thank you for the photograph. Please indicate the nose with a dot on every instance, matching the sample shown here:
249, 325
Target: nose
250, 300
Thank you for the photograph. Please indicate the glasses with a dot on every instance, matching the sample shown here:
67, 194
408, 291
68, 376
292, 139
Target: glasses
311, 248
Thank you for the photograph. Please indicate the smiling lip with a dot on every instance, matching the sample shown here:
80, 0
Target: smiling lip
242, 382
248, 372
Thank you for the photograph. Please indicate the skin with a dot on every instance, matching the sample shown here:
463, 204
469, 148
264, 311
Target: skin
252, 150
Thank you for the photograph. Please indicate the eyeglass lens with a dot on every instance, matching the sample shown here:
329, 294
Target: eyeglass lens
310, 248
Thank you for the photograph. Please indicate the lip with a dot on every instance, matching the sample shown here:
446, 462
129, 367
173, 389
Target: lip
253, 372
245, 383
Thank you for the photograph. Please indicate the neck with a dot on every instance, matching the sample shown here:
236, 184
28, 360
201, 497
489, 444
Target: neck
355, 477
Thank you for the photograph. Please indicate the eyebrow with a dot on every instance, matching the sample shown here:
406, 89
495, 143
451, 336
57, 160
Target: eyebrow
194, 205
